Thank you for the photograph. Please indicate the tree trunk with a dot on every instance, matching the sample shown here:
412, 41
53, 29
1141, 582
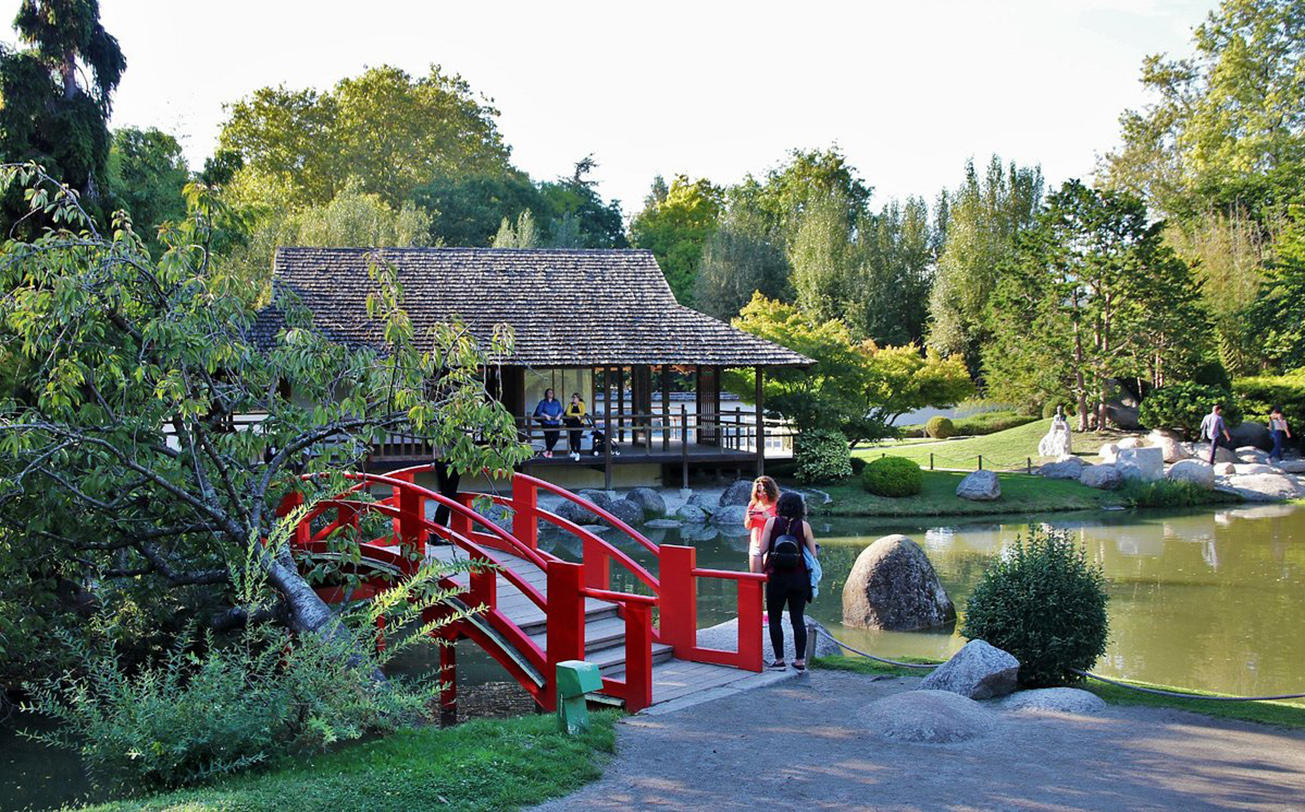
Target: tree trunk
1080, 385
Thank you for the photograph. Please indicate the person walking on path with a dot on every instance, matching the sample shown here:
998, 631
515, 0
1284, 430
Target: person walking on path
549, 415
761, 508
789, 583
1279, 432
574, 417
1215, 430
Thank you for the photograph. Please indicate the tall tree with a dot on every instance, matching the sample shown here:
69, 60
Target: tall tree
896, 250
147, 176
577, 215
741, 258
984, 217
467, 210
392, 131
823, 258
46, 114
676, 227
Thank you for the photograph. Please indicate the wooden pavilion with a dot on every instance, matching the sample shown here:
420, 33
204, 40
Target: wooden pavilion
603, 323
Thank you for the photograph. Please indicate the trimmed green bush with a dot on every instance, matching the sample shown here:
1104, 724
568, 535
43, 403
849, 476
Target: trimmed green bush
1045, 603
1182, 406
991, 423
822, 455
940, 428
858, 466
893, 477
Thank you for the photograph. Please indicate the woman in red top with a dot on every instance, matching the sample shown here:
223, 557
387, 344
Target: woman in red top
761, 508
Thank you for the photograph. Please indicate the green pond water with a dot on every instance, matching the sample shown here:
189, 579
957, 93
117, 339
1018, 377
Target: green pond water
1210, 600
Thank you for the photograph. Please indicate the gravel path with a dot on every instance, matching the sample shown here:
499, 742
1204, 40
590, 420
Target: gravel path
799, 744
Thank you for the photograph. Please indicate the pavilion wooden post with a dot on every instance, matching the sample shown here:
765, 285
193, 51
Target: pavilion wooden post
607, 429
620, 402
666, 407
761, 426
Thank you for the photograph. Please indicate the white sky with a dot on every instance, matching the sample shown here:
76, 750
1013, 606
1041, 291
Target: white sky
908, 89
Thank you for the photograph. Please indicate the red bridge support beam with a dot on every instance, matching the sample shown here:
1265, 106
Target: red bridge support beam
679, 598
566, 621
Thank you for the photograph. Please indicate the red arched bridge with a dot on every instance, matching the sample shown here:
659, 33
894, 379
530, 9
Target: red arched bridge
538, 609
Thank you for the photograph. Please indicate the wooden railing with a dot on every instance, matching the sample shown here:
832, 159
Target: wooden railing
679, 618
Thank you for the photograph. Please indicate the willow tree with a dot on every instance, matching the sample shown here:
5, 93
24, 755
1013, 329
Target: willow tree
120, 436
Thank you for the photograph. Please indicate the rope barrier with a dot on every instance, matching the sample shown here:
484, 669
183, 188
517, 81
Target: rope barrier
1156, 691
1184, 695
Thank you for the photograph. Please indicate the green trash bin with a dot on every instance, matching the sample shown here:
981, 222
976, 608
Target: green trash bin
575, 678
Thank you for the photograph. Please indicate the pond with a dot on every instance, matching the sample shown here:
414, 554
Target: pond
1208, 600
1199, 599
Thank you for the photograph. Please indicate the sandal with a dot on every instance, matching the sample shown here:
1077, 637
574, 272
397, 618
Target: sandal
797, 666
777, 665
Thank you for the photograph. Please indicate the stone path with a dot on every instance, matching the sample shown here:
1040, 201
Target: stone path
800, 744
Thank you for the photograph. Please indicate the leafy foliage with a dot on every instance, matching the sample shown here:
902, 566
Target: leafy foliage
821, 455
940, 428
1182, 406
675, 226
1045, 603
1257, 396
147, 177
893, 477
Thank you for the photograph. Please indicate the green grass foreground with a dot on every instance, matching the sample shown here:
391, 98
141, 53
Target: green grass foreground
1020, 493
1282, 713
490, 764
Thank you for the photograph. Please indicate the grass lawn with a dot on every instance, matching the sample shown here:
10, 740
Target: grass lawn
490, 764
1006, 450
1020, 493
1284, 714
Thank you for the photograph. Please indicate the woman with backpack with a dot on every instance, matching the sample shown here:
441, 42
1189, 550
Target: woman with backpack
788, 536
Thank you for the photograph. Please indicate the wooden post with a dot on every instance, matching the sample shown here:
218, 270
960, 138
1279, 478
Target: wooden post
750, 606
684, 446
638, 657
565, 634
761, 425
448, 683
679, 598
620, 402
666, 407
980, 462
607, 429
525, 519
930, 460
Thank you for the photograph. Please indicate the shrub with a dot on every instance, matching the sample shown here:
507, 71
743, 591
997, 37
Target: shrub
940, 428
1162, 493
1049, 409
991, 422
893, 476
1260, 394
1182, 406
1043, 602
822, 455
858, 466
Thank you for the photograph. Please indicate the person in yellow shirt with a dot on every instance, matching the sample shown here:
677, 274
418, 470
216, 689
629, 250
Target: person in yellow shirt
573, 416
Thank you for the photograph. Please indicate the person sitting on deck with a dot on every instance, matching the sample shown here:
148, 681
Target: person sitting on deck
549, 413
790, 583
574, 418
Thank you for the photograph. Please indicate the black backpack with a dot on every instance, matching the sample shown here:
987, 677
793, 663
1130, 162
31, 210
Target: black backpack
786, 552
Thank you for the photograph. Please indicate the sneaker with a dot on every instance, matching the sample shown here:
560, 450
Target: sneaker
548, 454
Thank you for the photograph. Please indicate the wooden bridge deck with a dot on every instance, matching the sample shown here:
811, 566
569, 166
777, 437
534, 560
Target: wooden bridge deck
672, 679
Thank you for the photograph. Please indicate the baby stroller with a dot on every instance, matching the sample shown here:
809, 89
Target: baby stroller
600, 443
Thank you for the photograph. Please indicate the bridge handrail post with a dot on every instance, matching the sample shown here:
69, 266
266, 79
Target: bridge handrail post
484, 583
303, 530
679, 598
525, 522
638, 656
412, 515
565, 617
750, 633
598, 570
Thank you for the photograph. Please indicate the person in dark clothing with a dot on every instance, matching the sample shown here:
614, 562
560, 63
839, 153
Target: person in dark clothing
549, 414
789, 584
1214, 429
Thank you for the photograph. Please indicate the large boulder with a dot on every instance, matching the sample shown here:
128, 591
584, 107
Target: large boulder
1225, 468
1248, 432
1263, 487
574, 512
1129, 442
1146, 464
738, 493
978, 670
1109, 453
1221, 454
928, 717
892, 586
1070, 468
980, 486
596, 497
691, 514
707, 503
1196, 472
1101, 477
730, 516
1169, 444
1251, 455
654, 506
626, 511
1055, 700
1292, 466
1125, 417
1254, 468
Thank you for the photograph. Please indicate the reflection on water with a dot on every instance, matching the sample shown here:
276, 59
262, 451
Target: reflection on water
1205, 599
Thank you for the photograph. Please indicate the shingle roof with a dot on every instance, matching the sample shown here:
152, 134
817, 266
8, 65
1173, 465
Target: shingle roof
568, 307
